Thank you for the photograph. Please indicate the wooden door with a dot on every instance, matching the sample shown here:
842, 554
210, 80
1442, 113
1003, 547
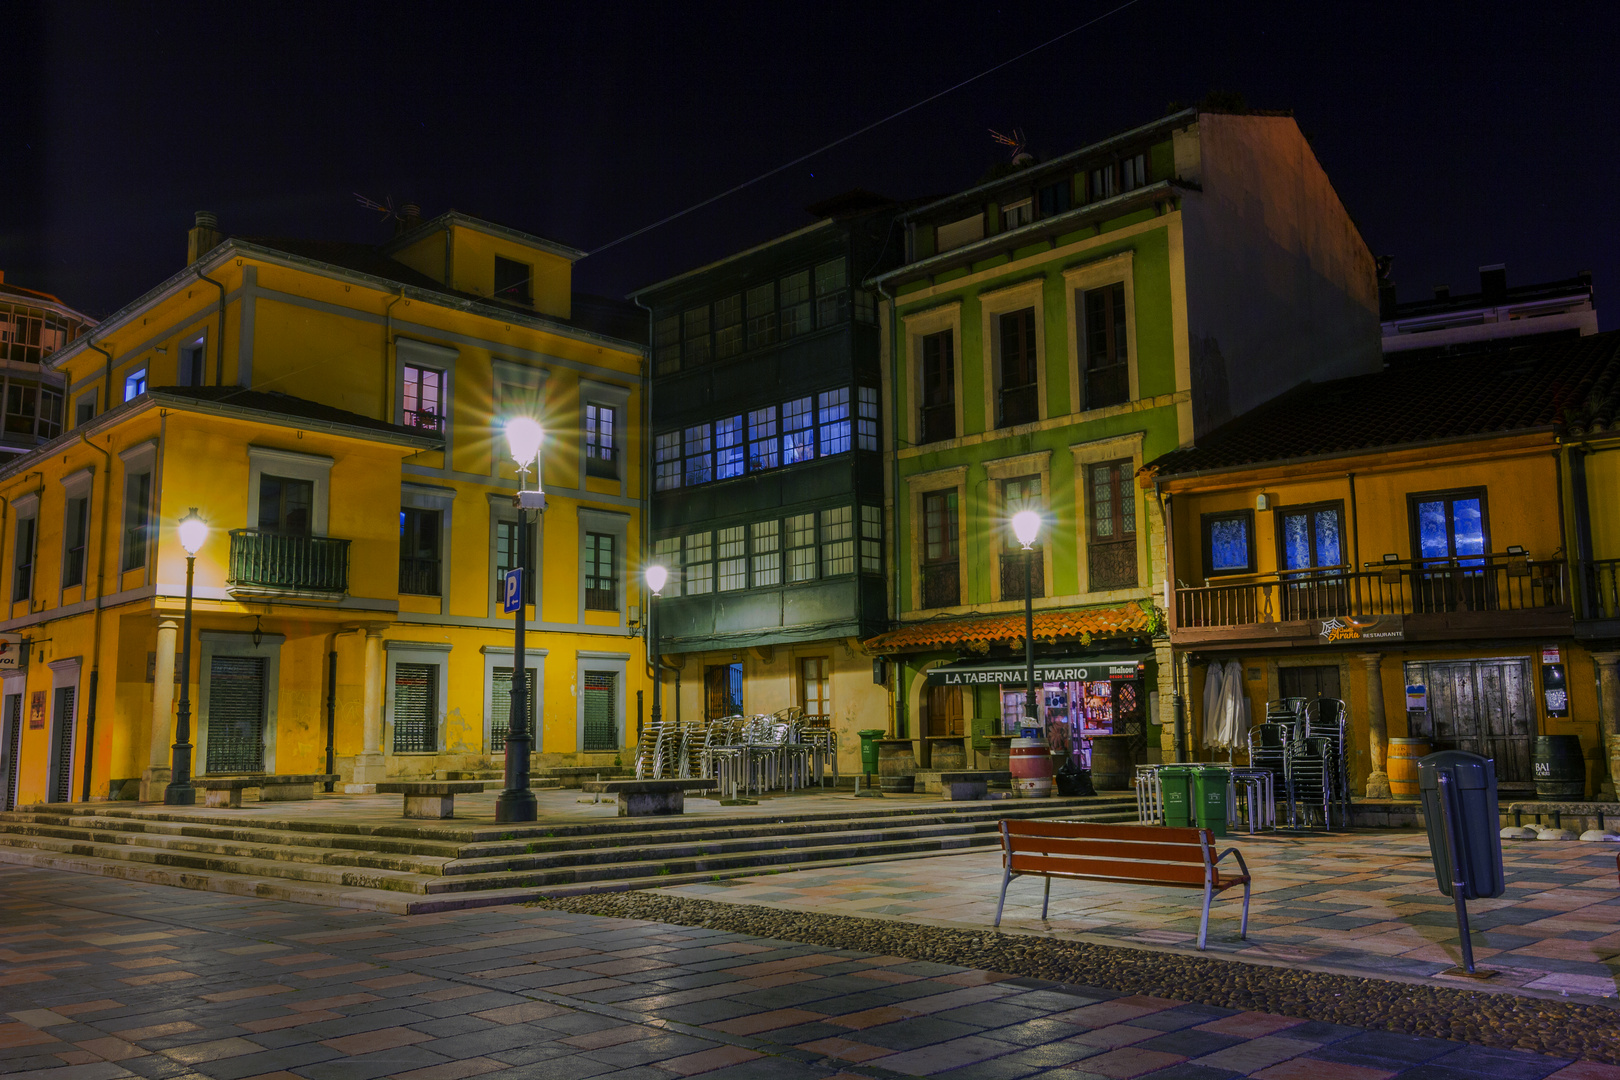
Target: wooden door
1316, 681
1482, 707
945, 712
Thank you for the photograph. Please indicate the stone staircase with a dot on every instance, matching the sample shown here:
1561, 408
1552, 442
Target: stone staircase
407, 868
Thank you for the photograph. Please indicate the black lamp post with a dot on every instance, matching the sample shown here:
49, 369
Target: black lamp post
180, 792
656, 576
516, 801
1027, 526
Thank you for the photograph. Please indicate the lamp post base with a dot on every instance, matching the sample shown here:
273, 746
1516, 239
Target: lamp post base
516, 806
179, 795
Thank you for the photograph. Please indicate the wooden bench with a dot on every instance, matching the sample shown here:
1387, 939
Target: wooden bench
965, 786
1134, 854
228, 790
432, 798
641, 798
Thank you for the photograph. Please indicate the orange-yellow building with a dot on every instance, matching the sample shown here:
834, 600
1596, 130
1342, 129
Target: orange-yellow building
333, 411
1399, 541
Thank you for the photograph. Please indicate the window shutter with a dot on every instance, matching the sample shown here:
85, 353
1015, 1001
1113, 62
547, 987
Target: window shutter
416, 701
601, 725
236, 714
500, 707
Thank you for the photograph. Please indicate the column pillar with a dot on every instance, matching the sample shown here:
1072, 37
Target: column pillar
161, 738
368, 764
1377, 728
1608, 668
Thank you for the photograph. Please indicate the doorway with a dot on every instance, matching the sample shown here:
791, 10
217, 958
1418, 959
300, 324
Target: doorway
11, 715
1314, 681
722, 685
235, 715
944, 718
62, 721
1481, 706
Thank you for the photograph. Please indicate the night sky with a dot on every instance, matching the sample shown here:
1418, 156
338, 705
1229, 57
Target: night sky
1457, 134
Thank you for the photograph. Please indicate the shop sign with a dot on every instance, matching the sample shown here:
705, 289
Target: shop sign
1417, 697
36, 711
1363, 628
1046, 671
1550, 655
13, 652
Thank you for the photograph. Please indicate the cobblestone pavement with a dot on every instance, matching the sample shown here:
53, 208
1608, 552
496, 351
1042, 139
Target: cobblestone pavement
103, 979
1362, 903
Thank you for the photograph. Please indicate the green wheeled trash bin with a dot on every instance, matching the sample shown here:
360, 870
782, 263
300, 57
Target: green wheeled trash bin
1176, 784
1212, 809
869, 750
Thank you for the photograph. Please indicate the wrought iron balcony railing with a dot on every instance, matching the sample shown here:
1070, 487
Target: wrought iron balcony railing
1012, 574
941, 587
270, 562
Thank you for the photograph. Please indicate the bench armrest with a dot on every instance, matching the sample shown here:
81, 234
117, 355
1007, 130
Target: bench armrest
1235, 853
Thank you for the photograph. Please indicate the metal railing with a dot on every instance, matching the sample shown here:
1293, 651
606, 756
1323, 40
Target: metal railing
1020, 405
1012, 574
939, 422
419, 576
1599, 589
1485, 583
941, 586
278, 561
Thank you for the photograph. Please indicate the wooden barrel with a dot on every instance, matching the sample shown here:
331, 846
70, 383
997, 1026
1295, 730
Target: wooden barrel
1402, 766
1000, 756
1560, 768
897, 766
1030, 761
1113, 766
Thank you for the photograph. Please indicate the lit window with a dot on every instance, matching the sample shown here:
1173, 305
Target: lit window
732, 553
423, 397
728, 447
867, 421
135, 384
667, 553
1016, 214
601, 580
837, 542
767, 538
699, 455
801, 529
798, 432
833, 413
667, 461
699, 568
600, 455
764, 448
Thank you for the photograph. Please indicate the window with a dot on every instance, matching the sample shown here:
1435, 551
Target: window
1228, 543
1017, 494
801, 530
423, 397
728, 326
500, 706
761, 315
764, 447
722, 691
837, 542
732, 551
416, 708
512, 280
767, 544
1054, 198
1103, 184
871, 539
507, 551
75, 537
939, 388
667, 344
667, 553
1107, 378
285, 505
419, 533
833, 414
135, 384
940, 586
601, 578
795, 303
191, 365
1450, 537
1019, 397
22, 576
599, 711
667, 461
696, 350
1308, 541
601, 455
866, 424
865, 306
699, 568
1111, 515
815, 695
137, 519
798, 434
832, 293
84, 410
1015, 214
699, 455
1133, 173
728, 447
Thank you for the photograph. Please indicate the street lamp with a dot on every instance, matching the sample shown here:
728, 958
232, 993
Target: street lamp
656, 576
516, 801
1027, 526
180, 792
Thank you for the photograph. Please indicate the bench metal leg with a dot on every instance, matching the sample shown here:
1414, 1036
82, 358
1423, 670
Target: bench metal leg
1203, 923
1244, 932
1005, 878
1046, 898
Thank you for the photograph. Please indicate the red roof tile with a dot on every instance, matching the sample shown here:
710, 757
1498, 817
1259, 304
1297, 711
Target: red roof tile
980, 632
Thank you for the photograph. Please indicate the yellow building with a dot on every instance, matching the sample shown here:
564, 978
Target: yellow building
333, 411
1398, 541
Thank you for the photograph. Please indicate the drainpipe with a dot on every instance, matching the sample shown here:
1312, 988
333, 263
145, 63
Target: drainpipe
331, 705
95, 635
388, 363
106, 380
900, 691
646, 499
219, 345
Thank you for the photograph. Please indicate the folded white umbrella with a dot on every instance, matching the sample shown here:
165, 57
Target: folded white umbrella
1214, 686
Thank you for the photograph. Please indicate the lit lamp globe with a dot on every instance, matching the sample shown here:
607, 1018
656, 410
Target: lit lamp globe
656, 578
523, 437
1026, 526
193, 531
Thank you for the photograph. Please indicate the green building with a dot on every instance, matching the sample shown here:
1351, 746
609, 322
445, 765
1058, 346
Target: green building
1052, 330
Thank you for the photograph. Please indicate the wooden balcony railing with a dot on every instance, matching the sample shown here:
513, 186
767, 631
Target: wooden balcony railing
269, 562
1487, 583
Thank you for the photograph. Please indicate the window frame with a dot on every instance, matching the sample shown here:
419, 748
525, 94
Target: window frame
501, 510
412, 352
135, 383
77, 488
1449, 496
1119, 268
1311, 509
1206, 525
139, 460
615, 399
591, 549
518, 292
428, 653
23, 572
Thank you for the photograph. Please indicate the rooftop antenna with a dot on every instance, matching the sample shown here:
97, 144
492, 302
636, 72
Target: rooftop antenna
1020, 155
386, 209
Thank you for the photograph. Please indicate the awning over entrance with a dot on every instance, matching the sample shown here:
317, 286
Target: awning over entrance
1075, 626
1074, 669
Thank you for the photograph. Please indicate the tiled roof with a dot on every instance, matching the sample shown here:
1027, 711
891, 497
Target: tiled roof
979, 632
269, 401
1573, 384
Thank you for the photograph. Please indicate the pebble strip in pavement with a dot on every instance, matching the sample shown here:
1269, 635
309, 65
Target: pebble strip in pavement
104, 979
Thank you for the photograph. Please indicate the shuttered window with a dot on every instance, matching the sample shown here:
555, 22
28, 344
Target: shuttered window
601, 709
500, 708
13, 746
62, 782
236, 714
416, 706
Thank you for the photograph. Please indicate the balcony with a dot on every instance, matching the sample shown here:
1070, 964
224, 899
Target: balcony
277, 564
1020, 405
1012, 574
1403, 601
1597, 596
939, 422
941, 587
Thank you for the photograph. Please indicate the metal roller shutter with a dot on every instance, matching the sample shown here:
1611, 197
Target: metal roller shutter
601, 721
13, 746
416, 702
236, 714
62, 782
500, 708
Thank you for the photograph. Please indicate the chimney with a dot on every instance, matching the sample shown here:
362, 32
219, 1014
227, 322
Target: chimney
1442, 292
410, 216
203, 237
1386, 299
1493, 283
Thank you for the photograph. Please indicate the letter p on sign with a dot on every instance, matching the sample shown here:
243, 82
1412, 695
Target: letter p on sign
512, 596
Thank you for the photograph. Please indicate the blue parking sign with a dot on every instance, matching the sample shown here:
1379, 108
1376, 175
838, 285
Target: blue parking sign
511, 597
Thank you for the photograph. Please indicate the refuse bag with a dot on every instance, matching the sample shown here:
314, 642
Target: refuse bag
1070, 780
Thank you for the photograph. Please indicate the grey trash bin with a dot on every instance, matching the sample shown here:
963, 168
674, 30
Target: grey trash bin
1475, 821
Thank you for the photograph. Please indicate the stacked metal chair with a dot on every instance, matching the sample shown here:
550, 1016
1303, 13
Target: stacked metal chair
1269, 745
1327, 719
